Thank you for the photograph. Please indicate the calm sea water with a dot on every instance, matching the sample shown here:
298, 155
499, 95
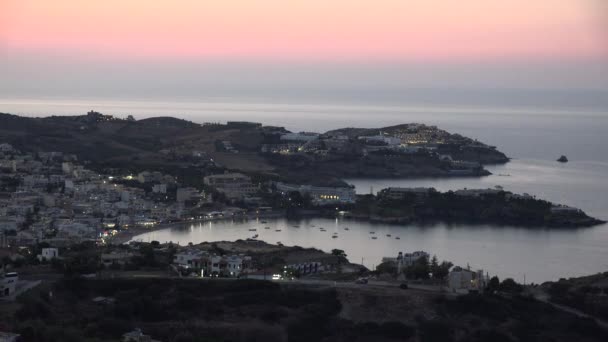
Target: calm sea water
533, 138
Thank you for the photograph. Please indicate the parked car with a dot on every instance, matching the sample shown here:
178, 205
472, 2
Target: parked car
361, 281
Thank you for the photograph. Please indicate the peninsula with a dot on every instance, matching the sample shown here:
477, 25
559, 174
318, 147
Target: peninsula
489, 206
167, 144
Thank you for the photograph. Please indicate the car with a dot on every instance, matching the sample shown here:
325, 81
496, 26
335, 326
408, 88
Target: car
361, 281
403, 286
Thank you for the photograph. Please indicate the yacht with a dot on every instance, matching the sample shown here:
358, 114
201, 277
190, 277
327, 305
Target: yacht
397, 238
374, 237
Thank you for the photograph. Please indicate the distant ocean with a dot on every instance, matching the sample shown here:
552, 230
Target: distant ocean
533, 137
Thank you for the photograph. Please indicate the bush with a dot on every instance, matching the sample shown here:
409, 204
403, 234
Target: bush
435, 331
510, 286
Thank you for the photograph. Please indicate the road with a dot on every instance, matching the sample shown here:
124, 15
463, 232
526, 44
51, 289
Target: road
542, 296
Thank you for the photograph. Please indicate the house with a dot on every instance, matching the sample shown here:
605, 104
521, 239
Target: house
159, 188
48, 254
189, 258
8, 283
233, 185
464, 280
404, 260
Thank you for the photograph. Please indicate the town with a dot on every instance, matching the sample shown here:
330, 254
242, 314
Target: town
66, 217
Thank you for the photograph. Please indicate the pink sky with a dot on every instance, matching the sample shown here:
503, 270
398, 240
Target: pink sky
317, 30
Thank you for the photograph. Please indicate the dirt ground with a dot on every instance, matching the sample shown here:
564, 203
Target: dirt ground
382, 304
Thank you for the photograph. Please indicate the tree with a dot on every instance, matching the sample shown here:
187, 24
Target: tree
387, 267
509, 285
419, 270
434, 262
442, 270
493, 284
338, 252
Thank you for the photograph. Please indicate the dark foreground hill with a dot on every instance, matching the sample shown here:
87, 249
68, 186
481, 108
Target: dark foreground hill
184, 310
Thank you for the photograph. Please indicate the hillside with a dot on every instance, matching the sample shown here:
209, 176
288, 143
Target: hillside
166, 143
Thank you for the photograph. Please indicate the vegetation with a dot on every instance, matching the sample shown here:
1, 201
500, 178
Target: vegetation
501, 207
588, 294
246, 310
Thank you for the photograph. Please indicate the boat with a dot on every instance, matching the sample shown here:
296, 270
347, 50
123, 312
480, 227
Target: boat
388, 235
372, 232
252, 230
277, 230
255, 236
346, 228
334, 236
296, 226
263, 222
374, 237
266, 227
562, 159
397, 238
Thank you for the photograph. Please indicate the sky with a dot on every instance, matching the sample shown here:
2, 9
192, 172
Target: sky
265, 47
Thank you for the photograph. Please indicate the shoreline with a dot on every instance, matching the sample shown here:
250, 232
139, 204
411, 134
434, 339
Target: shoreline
124, 236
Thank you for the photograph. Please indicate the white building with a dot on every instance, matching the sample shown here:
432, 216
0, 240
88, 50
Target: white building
321, 195
67, 168
8, 283
464, 280
48, 254
404, 260
189, 258
159, 188
6, 148
233, 185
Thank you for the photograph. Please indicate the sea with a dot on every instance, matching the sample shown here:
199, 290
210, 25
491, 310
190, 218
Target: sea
533, 137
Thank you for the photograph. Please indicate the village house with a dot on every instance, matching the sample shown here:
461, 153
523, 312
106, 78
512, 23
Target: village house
404, 260
464, 280
48, 254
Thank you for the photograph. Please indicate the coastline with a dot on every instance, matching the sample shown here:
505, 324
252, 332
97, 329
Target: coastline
124, 236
